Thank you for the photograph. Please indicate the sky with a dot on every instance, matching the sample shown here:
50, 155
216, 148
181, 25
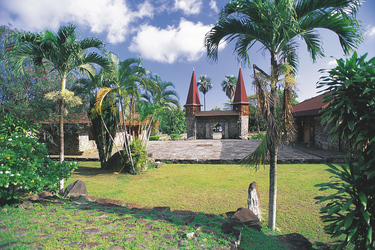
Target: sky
168, 35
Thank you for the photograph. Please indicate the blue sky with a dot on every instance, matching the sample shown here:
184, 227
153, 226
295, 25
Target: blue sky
168, 35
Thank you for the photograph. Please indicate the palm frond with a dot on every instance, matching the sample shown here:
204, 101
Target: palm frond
102, 92
260, 155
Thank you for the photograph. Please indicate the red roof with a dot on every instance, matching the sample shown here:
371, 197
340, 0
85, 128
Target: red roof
193, 96
240, 96
310, 107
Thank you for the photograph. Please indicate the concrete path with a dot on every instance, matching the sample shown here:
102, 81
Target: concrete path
225, 151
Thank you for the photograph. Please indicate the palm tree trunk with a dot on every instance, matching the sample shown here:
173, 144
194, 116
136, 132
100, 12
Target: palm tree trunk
61, 123
204, 97
273, 146
273, 188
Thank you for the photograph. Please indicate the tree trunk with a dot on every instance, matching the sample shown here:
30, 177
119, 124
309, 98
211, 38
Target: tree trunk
61, 123
273, 146
273, 188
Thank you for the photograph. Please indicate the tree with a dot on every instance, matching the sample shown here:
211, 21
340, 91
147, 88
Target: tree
103, 127
350, 115
276, 26
229, 86
173, 121
204, 85
127, 84
161, 97
65, 54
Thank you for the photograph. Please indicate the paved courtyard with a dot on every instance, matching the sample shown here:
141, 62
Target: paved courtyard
225, 151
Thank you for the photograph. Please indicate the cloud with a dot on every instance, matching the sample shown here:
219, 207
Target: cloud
113, 17
332, 63
172, 44
370, 31
189, 7
213, 6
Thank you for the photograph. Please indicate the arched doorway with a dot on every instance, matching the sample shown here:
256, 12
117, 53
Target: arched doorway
217, 131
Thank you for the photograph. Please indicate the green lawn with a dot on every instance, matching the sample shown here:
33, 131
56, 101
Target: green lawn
216, 189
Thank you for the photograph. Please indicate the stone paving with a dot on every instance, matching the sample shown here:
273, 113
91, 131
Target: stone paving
226, 151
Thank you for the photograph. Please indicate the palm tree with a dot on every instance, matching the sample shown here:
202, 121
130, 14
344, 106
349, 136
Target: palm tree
277, 25
64, 53
104, 126
129, 80
204, 85
160, 96
229, 86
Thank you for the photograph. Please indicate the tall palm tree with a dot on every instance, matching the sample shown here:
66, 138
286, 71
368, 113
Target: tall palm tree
229, 86
64, 53
277, 25
204, 85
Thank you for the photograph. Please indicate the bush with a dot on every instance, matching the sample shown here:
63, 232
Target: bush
139, 156
25, 167
154, 138
175, 136
259, 136
351, 209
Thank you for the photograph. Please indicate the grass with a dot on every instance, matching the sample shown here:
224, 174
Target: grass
217, 189
57, 224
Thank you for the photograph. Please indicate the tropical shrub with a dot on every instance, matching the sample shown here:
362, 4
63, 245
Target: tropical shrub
26, 168
154, 138
175, 136
139, 156
351, 115
351, 209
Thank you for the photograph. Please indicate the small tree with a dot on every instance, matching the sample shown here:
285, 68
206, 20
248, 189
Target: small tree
350, 211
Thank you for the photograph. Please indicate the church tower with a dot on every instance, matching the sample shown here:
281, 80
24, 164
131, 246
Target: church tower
241, 105
192, 106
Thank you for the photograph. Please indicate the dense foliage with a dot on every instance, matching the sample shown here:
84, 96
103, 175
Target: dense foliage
350, 114
24, 164
173, 121
139, 156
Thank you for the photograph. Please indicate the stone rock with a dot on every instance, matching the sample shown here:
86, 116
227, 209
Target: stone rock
253, 199
158, 164
162, 209
45, 195
243, 216
77, 188
188, 219
294, 241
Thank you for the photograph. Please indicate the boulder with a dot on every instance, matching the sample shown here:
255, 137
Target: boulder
294, 241
253, 199
243, 216
158, 164
77, 188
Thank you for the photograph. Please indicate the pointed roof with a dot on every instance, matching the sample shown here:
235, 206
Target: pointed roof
240, 96
193, 96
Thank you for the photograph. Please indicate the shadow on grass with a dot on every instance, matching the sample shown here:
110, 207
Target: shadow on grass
90, 171
206, 228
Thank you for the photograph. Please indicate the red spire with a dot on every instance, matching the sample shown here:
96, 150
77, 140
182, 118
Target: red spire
193, 96
240, 96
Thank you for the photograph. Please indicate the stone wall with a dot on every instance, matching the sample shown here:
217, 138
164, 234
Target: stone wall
322, 139
230, 126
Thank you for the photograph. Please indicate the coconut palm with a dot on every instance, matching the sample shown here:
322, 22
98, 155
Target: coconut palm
65, 54
229, 86
277, 25
204, 85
